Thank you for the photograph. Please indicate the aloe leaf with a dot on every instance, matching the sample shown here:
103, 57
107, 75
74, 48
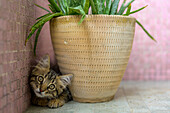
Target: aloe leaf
94, 11
68, 3
66, 6
36, 38
108, 6
40, 23
138, 10
29, 36
42, 8
55, 5
78, 10
64, 2
75, 3
101, 6
40, 19
43, 16
96, 6
128, 10
114, 7
52, 8
123, 7
46, 19
82, 19
145, 30
61, 5
86, 5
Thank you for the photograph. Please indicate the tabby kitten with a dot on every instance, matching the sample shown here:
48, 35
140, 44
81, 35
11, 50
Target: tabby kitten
50, 89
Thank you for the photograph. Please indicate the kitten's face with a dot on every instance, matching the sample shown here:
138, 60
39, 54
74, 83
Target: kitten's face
45, 82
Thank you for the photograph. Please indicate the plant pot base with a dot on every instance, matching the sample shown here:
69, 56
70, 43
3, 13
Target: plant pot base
85, 100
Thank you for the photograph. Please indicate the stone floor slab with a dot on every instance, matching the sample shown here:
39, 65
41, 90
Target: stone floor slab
131, 97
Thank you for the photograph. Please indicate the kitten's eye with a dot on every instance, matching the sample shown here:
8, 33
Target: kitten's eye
61, 87
40, 78
52, 86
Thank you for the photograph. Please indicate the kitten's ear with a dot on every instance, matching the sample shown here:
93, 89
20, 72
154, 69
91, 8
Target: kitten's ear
44, 62
66, 79
43, 65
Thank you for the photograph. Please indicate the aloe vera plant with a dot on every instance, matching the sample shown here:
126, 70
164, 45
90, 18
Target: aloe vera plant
81, 7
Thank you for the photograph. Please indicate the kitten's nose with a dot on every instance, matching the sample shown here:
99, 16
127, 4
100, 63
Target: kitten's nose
41, 90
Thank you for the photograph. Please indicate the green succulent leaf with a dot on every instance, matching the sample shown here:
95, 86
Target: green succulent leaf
66, 5
86, 5
52, 8
41, 22
82, 18
101, 6
55, 5
108, 6
114, 7
94, 10
128, 10
62, 7
123, 7
29, 36
75, 3
40, 19
96, 6
137, 10
145, 30
78, 10
36, 38
42, 8
46, 19
43, 16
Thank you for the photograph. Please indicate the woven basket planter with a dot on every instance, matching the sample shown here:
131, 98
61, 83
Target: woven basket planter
96, 52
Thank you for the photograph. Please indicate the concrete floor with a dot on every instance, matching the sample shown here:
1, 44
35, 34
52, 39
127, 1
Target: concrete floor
131, 97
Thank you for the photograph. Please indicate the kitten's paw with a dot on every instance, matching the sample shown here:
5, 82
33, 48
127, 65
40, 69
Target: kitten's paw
40, 102
55, 103
43, 102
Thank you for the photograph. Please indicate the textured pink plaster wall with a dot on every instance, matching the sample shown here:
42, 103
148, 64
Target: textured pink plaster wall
16, 18
150, 60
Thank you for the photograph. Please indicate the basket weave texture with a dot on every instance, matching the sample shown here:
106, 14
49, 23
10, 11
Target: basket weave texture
96, 52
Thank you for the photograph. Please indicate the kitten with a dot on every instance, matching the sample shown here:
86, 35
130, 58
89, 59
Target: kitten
50, 89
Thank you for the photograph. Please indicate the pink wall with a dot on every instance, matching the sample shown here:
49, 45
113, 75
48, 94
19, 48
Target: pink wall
150, 60
15, 58
16, 18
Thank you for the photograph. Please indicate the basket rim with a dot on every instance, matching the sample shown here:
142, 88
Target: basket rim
100, 15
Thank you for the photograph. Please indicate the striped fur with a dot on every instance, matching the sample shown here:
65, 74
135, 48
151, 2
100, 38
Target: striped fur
50, 88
